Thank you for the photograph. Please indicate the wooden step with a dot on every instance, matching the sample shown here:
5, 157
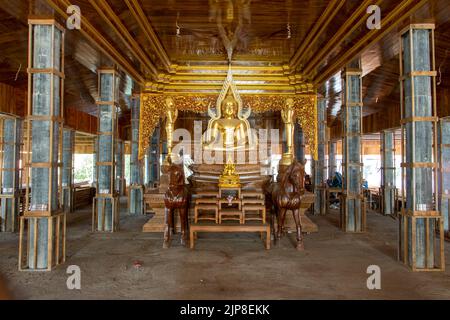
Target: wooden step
206, 194
252, 194
231, 215
206, 207
254, 207
230, 212
202, 201
253, 201
260, 214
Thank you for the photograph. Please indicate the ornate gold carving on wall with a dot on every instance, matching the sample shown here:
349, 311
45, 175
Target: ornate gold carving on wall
305, 107
153, 110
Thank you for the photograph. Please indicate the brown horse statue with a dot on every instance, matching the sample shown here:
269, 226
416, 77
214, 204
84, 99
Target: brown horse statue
176, 198
286, 195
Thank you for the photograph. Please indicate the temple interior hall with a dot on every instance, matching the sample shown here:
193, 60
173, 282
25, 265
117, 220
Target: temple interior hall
224, 149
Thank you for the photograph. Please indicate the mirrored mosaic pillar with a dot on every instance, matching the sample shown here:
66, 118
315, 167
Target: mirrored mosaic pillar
94, 162
105, 207
153, 158
10, 147
147, 165
319, 164
299, 142
120, 167
420, 248
353, 213
136, 193
444, 188
68, 145
388, 188
332, 164
43, 224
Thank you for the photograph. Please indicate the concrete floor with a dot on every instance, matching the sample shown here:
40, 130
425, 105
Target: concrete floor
225, 266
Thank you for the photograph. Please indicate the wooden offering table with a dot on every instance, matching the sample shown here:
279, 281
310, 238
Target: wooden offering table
230, 228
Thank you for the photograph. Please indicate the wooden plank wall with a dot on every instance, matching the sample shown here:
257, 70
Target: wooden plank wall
389, 118
80, 121
336, 131
443, 102
13, 100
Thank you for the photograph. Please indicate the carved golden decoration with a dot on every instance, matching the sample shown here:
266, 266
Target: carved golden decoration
152, 110
288, 116
229, 177
305, 107
171, 118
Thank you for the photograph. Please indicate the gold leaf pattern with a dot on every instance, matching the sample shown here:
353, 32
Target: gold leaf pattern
153, 110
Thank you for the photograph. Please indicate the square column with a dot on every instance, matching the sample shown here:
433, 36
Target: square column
94, 160
353, 211
420, 220
10, 146
444, 181
43, 225
105, 216
319, 165
152, 159
136, 193
66, 192
388, 190
299, 142
120, 167
332, 165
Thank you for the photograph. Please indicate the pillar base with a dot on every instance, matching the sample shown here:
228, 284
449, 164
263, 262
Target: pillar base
108, 222
429, 256
393, 193
353, 214
56, 242
9, 206
136, 200
320, 201
444, 207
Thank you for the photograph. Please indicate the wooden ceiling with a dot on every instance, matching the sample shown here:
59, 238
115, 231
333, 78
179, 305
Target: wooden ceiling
380, 62
180, 46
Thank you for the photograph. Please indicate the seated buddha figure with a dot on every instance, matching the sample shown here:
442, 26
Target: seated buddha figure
228, 132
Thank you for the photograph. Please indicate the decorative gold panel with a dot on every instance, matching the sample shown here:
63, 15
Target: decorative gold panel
153, 110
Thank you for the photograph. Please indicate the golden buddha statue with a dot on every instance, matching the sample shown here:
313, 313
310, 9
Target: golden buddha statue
228, 132
229, 177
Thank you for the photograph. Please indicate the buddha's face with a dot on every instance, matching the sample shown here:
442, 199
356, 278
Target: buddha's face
228, 108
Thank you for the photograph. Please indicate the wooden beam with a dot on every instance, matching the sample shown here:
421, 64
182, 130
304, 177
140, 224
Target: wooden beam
344, 32
109, 16
141, 18
319, 27
373, 36
96, 38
